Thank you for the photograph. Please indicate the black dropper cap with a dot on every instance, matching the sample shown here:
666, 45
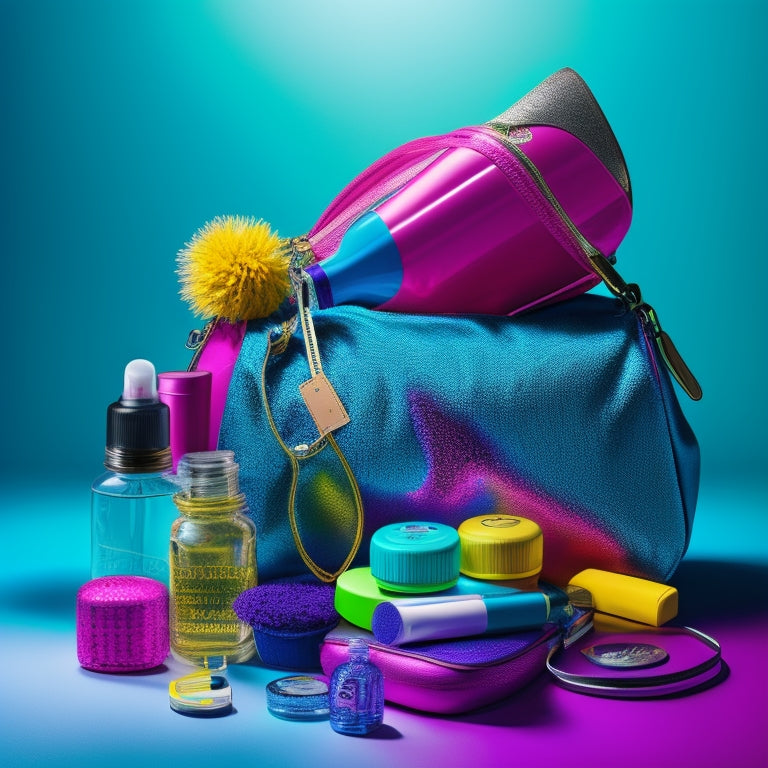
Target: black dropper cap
138, 425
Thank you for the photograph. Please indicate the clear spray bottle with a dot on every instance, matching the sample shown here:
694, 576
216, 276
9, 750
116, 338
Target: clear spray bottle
132, 502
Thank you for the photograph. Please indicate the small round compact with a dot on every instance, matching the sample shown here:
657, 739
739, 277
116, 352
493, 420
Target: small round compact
645, 664
298, 697
202, 693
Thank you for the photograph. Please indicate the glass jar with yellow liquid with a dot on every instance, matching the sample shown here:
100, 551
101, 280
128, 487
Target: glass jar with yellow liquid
212, 560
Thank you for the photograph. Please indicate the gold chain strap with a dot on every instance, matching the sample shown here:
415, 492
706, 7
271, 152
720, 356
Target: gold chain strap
307, 451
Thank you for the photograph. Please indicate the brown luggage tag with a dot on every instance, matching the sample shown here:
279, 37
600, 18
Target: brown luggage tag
323, 403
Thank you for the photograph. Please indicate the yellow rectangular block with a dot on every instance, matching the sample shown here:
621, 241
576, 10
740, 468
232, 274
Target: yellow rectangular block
628, 596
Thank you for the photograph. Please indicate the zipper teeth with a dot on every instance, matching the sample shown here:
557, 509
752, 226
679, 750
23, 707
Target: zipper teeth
308, 330
629, 294
310, 340
342, 219
588, 249
343, 208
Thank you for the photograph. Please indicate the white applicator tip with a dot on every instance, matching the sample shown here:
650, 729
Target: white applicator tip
140, 382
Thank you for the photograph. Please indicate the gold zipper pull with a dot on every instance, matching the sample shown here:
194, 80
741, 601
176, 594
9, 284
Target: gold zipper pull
301, 251
630, 294
323, 404
195, 339
669, 353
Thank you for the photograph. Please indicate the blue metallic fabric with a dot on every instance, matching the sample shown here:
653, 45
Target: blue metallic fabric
563, 415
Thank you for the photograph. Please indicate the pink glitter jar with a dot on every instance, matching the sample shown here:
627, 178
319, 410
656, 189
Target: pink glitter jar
122, 624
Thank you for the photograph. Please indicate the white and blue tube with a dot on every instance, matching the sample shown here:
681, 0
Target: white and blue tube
413, 620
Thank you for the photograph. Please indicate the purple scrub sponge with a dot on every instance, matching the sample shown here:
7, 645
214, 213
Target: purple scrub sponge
289, 621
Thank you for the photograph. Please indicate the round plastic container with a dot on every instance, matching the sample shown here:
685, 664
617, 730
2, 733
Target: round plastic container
502, 548
298, 697
122, 624
415, 557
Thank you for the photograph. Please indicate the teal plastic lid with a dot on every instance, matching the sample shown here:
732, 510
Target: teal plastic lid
415, 557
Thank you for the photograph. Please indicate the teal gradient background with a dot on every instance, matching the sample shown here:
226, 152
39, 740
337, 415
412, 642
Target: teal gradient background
127, 124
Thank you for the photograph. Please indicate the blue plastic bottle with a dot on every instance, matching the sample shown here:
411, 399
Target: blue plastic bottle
356, 693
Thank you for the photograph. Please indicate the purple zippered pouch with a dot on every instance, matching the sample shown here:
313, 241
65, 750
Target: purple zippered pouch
453, 676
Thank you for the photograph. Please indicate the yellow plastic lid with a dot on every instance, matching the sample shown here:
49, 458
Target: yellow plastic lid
500, 546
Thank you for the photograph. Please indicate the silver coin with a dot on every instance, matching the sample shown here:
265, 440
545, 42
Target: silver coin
626, 655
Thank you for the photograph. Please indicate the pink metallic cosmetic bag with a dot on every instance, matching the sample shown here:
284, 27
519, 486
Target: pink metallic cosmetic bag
523, 210
494, 219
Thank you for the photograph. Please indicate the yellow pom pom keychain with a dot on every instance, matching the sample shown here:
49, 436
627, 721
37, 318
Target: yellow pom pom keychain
235, 268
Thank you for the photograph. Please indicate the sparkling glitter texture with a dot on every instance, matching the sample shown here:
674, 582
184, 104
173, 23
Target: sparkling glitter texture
122, 624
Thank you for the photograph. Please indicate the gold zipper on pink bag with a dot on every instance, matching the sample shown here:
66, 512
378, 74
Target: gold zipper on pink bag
629, 293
